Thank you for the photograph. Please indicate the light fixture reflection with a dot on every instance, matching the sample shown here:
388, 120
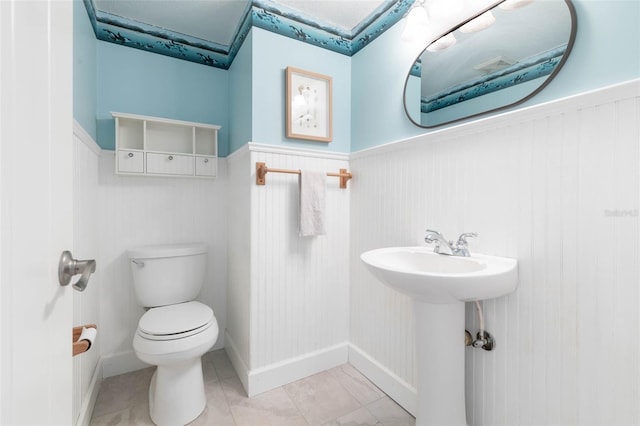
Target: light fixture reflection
416, 26
442, 43
514, 4
478, 24
444, 9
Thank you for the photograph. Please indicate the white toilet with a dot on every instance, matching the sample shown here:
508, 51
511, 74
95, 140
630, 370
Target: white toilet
176, 331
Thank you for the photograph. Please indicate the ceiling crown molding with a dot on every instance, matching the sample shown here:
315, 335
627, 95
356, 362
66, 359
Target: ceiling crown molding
261, 14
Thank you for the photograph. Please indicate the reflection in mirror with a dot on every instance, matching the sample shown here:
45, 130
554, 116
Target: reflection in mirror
498, 59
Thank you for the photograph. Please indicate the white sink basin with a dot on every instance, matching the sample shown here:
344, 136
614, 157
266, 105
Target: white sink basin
435, 278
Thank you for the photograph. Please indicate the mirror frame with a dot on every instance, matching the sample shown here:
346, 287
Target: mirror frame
556, 70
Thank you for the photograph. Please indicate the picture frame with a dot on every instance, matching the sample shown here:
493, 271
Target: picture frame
309, 104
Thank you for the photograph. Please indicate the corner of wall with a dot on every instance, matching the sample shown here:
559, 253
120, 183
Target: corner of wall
84, 70
241, 95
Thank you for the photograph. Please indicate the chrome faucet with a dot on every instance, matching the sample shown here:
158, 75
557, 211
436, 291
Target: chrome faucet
442, 246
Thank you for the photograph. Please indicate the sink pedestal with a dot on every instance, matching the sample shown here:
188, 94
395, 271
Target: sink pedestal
440, 364
439, 285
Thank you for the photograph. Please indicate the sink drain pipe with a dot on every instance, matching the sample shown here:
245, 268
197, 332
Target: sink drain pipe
484, 340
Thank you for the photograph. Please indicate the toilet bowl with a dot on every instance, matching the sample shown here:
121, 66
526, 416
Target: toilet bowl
176, 393
176, 331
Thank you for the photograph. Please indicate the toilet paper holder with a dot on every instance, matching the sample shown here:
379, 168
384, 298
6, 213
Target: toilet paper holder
68, 267
81, 346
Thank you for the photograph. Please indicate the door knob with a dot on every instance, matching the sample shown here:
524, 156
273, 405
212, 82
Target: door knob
68, 267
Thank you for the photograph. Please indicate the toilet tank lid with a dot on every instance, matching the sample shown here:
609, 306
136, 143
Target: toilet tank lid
167, 250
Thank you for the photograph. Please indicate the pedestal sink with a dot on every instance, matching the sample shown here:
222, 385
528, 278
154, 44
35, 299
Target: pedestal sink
439, 285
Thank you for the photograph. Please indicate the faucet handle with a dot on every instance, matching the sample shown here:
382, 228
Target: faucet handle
462, 239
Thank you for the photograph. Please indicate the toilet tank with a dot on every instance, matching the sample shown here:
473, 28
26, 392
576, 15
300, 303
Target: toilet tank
167, 274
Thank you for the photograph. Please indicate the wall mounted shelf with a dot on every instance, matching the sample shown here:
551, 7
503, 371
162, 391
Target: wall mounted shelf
150, 146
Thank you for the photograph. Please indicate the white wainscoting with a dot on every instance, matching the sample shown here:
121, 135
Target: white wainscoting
297, 290
239, 261
87, 372
136, 211
555, 186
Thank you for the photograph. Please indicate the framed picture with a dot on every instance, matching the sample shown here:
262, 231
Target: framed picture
308, 99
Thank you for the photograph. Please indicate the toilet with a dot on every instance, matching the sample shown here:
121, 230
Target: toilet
176, 330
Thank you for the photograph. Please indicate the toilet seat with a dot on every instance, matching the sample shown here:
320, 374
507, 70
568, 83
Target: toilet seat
174, 322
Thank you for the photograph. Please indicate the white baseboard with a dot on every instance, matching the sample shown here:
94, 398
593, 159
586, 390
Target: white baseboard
126, 362
282, 373
120, 363
238, 364
397, 389
279, 374
89, 400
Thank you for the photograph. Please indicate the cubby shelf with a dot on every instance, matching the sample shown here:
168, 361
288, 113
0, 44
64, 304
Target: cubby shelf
150, 146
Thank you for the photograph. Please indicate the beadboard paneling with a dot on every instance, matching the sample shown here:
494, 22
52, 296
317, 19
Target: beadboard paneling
555, 186
299, 285
155, 210
239, 255
86, 308
288, 295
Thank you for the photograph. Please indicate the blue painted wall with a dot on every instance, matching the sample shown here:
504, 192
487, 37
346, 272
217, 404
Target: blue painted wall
272, 54
379, 72
137, 82
84, 70
248, 100
606, 51
241, 95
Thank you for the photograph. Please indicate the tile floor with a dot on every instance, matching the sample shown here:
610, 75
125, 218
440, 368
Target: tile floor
340, 396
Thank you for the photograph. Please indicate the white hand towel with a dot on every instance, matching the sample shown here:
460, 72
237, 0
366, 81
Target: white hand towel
312, 202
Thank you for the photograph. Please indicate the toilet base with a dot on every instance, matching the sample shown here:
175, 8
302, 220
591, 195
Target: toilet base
176, 393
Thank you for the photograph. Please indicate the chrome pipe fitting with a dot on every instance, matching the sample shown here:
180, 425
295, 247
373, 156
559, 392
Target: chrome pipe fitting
484, 340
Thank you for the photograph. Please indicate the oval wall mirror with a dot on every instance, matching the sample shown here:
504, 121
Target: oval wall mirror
471, 71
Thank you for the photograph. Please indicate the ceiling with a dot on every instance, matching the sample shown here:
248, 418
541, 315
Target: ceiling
211, 31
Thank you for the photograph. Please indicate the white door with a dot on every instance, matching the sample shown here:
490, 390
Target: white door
35, 211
